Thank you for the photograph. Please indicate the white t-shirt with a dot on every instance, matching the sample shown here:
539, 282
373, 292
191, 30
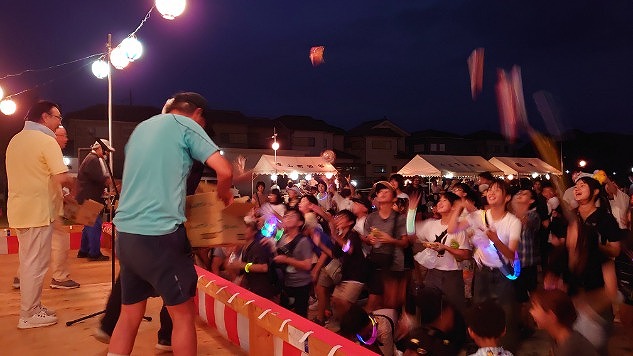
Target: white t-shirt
619, 207
342, 203
429, 230
568, 197
508, 229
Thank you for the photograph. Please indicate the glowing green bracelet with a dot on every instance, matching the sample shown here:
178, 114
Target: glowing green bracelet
411, 221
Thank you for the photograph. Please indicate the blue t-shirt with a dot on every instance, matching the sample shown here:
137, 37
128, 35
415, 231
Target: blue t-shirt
158, 157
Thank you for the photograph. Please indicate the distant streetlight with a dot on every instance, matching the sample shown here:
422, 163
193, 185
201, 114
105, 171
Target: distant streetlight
275, 145
8, 107
171, 8
582, 163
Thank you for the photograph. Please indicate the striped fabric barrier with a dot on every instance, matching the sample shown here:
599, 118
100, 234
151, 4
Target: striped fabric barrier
9, 244
261, 327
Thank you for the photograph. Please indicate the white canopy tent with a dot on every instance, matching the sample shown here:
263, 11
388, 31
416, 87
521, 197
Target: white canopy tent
523, 166
461, 166
267, 164
418, 166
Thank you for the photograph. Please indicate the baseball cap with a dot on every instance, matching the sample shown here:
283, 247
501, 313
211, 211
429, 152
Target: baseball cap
195, 99
295, 189
380, 185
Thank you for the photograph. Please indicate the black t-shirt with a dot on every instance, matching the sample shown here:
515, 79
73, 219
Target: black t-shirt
258, 283
599, 228
354, 266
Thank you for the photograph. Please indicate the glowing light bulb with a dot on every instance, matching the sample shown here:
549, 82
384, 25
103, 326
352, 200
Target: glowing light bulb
354, 182
449, 175
534, 175
8, 107
510, 176
118, 58
170, 9
132, 48
294, 175
1, 93
275, 146
308, 177
328, 175
547, 176
273, 177
100, 68
66, 160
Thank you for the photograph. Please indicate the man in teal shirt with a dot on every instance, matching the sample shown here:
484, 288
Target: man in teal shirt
153, 249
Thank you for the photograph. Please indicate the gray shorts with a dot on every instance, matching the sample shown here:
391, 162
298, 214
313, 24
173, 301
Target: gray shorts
159, 265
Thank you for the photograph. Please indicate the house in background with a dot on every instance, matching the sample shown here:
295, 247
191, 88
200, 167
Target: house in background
86, 125
489, 144
380, 147
432, 142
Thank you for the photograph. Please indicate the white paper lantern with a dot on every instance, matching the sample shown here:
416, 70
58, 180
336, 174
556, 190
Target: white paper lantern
100, 68
170, 9
118, 58
132, 48
8, 107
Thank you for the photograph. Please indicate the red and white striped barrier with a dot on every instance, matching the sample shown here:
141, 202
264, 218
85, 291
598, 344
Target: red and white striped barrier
9, 244
261, 327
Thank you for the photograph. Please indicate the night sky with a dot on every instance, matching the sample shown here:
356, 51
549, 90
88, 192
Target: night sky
404, 60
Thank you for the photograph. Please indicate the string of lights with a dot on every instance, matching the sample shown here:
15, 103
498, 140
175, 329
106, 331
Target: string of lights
51, 67
129, 50
45, 83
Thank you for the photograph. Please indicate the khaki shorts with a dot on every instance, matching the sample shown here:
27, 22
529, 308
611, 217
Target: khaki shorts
325, 280
348, 290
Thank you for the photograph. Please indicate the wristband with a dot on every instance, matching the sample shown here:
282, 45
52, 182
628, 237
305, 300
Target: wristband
347, 246
247, 267
411, 221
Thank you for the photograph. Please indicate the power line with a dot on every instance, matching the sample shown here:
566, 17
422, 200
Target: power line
50, 67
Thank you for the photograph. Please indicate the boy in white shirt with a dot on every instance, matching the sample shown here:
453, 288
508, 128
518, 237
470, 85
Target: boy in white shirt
495, 241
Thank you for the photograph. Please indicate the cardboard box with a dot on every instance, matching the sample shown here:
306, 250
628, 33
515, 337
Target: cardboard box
209, 223
84, 214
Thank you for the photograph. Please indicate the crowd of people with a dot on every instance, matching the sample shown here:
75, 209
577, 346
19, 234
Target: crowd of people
386, 269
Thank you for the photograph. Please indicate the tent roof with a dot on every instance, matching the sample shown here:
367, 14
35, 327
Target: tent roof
461, 165
523, 165
438, 165
418, 166
289, 164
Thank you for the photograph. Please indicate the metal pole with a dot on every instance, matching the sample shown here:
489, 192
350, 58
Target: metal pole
109, 45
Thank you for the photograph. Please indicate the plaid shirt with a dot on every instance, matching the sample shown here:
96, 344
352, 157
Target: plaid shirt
528, 245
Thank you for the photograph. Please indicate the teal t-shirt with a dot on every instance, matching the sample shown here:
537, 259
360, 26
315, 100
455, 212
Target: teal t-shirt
158, 157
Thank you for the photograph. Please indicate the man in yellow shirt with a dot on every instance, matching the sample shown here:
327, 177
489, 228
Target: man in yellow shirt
33, 158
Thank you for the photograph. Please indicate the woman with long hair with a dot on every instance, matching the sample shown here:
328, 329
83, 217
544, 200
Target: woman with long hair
587, 268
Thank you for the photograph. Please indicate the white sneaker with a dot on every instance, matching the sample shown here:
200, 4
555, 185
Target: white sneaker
48, 311
38, 320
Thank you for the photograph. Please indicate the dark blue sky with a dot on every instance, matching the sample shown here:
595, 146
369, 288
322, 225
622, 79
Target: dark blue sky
405, 60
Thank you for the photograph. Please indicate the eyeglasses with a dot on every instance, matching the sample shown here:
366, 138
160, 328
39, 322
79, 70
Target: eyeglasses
57, 116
